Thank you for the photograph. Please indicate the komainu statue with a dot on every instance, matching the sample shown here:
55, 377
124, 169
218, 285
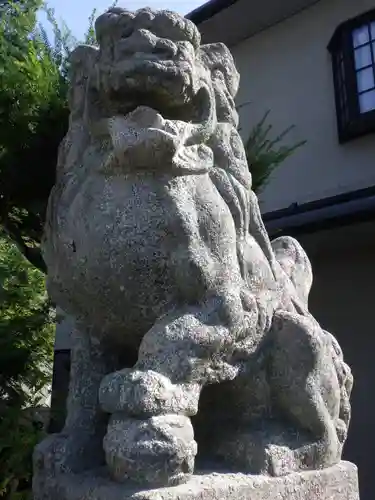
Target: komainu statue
193, 339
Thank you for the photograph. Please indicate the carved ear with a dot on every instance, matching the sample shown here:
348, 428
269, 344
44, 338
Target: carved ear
82, 59
81, 63
115, 22
217, 57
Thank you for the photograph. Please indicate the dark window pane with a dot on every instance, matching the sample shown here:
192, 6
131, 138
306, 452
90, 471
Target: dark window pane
362, 56
361, 35
365, 79
367, 101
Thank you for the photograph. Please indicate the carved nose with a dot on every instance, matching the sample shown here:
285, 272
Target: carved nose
145, 41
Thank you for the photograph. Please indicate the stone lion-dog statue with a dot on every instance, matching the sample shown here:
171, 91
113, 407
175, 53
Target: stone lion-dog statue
192, 330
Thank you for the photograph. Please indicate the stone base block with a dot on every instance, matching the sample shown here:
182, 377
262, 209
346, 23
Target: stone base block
336, 483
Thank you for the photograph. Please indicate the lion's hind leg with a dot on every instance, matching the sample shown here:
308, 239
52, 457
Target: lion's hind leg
295, 422
306, 393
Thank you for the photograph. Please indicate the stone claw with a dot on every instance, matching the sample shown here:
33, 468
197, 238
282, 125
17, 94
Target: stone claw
158, 451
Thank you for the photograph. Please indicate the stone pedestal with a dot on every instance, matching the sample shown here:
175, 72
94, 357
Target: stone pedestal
336, 483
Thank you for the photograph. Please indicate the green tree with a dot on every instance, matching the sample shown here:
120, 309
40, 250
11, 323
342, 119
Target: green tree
26, 350
33, 120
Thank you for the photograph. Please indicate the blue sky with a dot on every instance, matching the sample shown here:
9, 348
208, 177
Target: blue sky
76, 12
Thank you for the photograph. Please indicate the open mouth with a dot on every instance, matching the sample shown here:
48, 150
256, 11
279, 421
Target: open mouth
126, 101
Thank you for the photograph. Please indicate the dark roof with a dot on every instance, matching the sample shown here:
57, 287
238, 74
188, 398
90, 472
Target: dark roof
208, 9
340, 210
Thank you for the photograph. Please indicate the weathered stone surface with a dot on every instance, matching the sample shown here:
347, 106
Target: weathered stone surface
335, 483
184, 309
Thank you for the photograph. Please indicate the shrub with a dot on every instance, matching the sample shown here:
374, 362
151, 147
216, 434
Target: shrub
26, 349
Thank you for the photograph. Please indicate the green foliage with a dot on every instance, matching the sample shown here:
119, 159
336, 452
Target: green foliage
25, 327
18, 438
90, 36
62, 44
26, 351
33, 120
265, 154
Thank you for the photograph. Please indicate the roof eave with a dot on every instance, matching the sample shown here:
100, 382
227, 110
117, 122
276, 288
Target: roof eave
208, 10
341, 210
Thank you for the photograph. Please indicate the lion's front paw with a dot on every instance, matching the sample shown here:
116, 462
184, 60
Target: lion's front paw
158, 451
146, 394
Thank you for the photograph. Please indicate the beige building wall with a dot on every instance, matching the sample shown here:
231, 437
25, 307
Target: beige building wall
287, 69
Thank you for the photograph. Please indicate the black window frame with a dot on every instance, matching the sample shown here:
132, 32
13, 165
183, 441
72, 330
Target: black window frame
355, 124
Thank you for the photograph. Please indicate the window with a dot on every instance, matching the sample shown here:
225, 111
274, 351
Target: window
352, 48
